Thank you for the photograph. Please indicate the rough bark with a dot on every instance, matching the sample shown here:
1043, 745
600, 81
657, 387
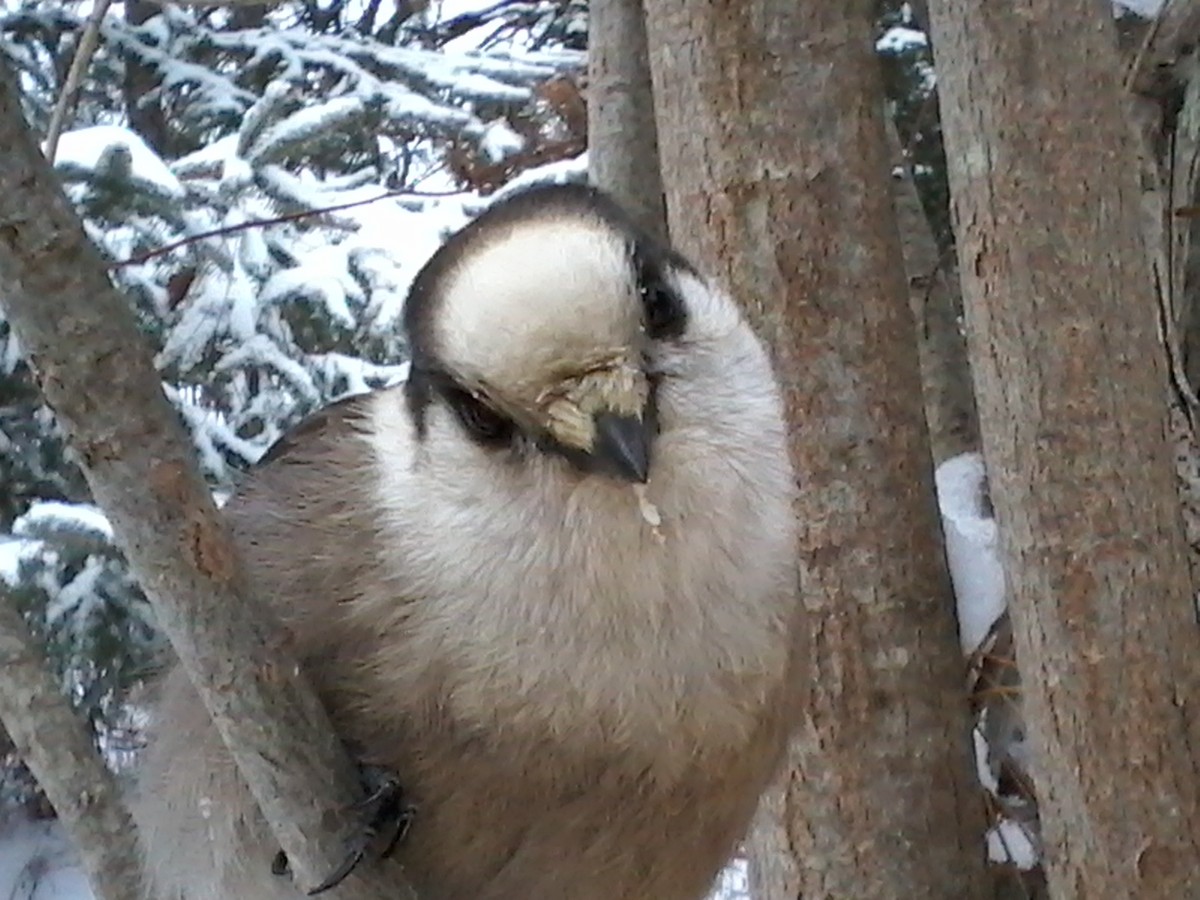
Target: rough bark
775, 163
1165, 103
1070, 382
95, 371
622, 135
56, 744
936, 301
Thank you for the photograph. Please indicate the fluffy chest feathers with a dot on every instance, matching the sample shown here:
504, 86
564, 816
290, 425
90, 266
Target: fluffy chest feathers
552, 605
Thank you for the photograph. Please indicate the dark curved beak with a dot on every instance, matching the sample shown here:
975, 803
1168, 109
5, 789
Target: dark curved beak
623, 445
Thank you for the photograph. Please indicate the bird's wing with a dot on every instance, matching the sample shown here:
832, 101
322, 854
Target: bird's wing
305, 520
336, 419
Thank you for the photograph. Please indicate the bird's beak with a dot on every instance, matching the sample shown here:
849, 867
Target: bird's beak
622, 445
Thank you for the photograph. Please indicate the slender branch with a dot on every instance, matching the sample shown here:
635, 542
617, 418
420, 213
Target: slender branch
262, 223
88, 42
56, 744
622, 135
96, 372
1174, 28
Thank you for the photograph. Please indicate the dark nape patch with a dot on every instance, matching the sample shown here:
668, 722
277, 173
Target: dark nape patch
483, 424
418, 394
665, 314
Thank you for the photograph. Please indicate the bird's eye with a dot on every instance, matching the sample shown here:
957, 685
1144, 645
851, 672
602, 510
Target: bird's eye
483, 423
665, 315
662, 309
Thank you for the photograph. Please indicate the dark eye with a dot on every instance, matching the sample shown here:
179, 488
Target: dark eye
663, 311
665, 315
483, 423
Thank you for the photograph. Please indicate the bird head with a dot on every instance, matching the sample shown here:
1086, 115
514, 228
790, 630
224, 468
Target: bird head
536, 324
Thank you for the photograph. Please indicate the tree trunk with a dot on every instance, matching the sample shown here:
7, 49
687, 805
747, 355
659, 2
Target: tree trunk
936, 300
1061, 319
56, 744
775, 164
622, 136
96, 372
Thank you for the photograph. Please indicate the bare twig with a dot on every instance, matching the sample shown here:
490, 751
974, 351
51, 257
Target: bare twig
1173, 29
88, 41
622, 136
263, 223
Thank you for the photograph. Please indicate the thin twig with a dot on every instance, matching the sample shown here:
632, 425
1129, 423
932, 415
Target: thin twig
88, 42
1138, 64
262, 223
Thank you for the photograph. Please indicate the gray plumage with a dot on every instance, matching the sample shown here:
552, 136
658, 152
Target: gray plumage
583, 693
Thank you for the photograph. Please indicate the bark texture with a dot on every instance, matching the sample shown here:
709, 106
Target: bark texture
56, 744
775, 163
1062, 326
936, 300
622, 135
95, 371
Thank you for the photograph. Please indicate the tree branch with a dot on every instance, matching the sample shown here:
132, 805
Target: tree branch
225, 230
1173, 31
95, 371
622, 134
56, 744
88, 41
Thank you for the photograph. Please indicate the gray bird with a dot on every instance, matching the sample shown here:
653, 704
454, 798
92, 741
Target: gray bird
549, 582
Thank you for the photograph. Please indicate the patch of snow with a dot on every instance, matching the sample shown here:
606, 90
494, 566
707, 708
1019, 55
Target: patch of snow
1148, 9
304, 123
900, 38
260, 350
43, 512
500, 141
971, 547
361, 375
315, 281
734, 882
983, 766
86, 147
13, 551
78, 597
1010, 842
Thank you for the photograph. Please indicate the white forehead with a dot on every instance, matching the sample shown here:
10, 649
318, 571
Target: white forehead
544, 294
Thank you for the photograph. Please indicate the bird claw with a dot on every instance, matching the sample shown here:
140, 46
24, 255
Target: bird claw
386, 820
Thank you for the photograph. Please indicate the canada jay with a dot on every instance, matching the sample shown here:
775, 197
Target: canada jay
549, 582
